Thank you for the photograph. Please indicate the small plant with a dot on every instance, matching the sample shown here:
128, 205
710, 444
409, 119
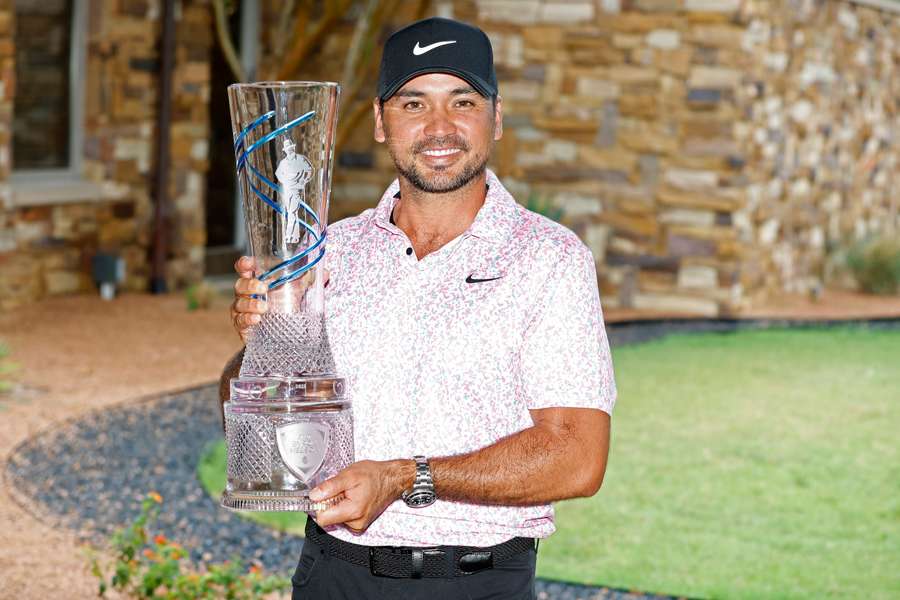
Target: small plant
875, 264
148, 568
6, 368
199, 295
543, 206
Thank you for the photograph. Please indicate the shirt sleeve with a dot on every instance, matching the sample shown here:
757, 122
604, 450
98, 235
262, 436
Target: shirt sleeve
565, 358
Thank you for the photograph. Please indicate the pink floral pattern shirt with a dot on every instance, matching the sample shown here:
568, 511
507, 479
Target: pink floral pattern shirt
447, 354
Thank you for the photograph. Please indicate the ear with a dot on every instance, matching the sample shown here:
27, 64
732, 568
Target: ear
379, 122
498, 119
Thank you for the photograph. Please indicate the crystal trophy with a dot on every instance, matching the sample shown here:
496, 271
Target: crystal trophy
288, 423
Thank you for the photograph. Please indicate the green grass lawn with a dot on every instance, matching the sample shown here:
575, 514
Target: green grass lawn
758, 464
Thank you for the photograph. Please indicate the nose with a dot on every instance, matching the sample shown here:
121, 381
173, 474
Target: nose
439, 124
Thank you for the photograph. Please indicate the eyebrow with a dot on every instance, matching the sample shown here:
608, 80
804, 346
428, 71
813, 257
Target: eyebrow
414, 93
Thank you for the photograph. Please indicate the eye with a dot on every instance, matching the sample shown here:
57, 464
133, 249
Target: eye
465, 103
413, 105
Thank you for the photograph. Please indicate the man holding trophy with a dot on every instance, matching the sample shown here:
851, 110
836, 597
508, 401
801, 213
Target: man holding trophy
470, 334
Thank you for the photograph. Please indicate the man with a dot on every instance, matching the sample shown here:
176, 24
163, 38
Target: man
471, 333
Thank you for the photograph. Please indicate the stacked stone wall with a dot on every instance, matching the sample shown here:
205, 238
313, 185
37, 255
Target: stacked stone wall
677, 136
46, 244
822, 135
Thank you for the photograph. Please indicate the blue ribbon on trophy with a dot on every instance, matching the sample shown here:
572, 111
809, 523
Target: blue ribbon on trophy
293, 173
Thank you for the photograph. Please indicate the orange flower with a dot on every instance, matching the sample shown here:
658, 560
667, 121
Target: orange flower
161, 540
155, 497
255, 569
149, 553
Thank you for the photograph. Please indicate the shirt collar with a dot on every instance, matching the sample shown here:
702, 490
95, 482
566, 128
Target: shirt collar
494, 221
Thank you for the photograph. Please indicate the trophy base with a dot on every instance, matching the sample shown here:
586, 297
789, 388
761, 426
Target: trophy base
274, 501
284, 436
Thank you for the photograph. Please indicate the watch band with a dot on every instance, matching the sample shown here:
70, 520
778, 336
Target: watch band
422, 491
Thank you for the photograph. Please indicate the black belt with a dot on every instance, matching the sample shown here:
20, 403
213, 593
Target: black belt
412, 562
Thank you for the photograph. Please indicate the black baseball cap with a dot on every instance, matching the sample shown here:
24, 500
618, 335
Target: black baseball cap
437, 45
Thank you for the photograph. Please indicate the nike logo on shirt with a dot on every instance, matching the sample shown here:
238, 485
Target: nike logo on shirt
420, 50
471, 279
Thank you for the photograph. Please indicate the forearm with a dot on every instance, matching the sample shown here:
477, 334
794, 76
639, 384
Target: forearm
562, 456
537, 465
232, 369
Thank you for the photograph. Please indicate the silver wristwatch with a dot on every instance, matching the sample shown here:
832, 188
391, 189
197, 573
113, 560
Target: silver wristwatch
422, 492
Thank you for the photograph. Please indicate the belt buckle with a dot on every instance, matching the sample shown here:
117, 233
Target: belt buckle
475, 561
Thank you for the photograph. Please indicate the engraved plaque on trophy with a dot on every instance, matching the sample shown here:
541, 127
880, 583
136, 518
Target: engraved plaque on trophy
288, 423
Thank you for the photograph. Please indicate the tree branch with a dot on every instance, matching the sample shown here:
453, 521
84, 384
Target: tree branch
304, 45
225, 41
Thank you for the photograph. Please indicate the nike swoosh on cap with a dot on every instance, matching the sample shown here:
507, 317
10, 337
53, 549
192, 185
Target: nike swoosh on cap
420, 50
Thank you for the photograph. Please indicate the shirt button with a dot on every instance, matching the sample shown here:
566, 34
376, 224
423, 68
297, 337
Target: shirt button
408, 251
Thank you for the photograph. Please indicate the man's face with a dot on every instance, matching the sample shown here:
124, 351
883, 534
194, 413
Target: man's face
439, 131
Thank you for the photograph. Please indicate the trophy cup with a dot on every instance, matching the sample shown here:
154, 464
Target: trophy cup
288, 423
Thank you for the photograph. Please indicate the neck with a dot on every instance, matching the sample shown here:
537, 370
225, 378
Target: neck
431, 220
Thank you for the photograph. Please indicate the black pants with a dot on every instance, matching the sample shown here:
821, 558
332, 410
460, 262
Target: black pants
322, 577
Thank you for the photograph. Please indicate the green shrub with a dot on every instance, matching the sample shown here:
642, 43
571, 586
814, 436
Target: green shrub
543, 206
875, 264
199, 295
148, 568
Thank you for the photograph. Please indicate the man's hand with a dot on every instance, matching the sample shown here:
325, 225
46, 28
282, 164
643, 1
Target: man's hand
368, 487
247, 311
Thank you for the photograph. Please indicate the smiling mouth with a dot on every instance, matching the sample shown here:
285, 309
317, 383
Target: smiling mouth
443, 152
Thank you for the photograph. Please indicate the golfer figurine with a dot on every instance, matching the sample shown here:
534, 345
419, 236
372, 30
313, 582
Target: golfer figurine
293, 173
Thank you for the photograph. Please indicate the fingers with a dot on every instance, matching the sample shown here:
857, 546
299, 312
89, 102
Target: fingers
243, 322
248, 287
245, 266
341, 512
247, 309
348, 512
330, 488
243, 304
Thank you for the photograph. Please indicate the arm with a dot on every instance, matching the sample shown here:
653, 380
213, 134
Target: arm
562, 456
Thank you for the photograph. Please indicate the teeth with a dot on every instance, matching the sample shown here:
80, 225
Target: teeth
441, 152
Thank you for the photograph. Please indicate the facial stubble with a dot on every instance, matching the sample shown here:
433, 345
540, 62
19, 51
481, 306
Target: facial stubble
436, 185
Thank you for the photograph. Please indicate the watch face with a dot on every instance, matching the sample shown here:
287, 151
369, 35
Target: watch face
420, 499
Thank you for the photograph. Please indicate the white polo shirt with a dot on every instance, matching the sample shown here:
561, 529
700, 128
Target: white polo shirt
447, 354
